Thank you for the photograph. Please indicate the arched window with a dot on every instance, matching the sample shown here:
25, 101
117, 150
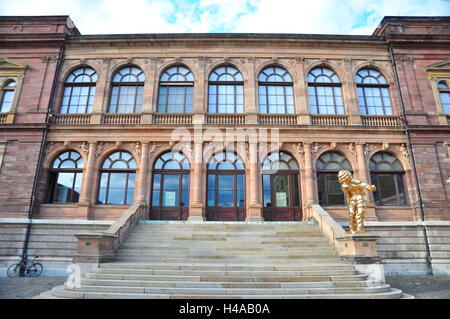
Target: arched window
325, 93
117, 177
444, 93
226, 91
373, 93
275, 91
328, 166
281, 191
176, 90
127, 90
387, 174
226, 187
66, 173
170, 197
7, 96
79, 91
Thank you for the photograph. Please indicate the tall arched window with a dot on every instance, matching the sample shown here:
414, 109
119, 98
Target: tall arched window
281, 188
226, 187
79, 91
7, 96
328, 166
170, 195
387, 174
275, 91
176, 90
127, 90
226, 91
444, 93
373, 93
325, 93
66, 173
117, 177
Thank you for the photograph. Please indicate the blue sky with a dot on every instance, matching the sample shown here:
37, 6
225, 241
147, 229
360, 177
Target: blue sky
270, 16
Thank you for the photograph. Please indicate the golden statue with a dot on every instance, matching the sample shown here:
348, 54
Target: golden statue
354, 190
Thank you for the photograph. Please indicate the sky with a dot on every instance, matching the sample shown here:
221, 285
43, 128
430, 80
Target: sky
230, 16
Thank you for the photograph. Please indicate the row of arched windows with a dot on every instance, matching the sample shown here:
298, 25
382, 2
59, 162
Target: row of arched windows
225, 179
226, 91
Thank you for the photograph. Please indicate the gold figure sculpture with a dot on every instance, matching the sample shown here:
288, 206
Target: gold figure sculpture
354, 191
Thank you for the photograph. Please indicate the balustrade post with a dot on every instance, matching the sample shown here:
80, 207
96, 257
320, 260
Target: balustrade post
254, 210
86, 200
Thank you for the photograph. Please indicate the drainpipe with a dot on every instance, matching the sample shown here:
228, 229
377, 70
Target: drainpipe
413, 162
40, 160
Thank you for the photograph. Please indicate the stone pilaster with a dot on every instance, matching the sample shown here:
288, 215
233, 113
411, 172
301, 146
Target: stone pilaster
196, 208
87, 196
143, 175
309, 175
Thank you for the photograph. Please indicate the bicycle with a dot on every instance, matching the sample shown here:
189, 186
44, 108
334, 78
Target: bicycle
25, 268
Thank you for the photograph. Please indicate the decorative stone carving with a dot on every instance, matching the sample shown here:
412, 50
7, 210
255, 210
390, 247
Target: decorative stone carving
316, 147
137, 148
84, 147
368, 149
100, 148
351, 149
385, 146
404, 151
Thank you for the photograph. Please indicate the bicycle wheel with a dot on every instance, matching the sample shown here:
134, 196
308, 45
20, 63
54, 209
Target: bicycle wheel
13, 270
35, 270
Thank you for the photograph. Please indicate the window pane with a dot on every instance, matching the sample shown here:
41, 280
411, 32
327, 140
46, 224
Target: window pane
387, 189
64, 186
295, 191
281, 191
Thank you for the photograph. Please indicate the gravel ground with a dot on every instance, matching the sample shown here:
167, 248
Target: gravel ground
422, 287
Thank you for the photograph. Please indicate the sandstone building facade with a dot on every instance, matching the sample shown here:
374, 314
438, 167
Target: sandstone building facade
223, 127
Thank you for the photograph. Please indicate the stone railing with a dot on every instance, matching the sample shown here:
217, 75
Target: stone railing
226, 119
378, 120
120, 119
101, 247
278, 119
329, 120
359, 249
70, 119
448, 119
172, 119
3, 117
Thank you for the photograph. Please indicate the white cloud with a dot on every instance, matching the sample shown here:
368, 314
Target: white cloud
280, 16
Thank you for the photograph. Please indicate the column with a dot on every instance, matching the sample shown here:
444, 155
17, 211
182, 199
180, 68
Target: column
309, 176
143, 175
86, 200
363, 174
196, 212
254, 210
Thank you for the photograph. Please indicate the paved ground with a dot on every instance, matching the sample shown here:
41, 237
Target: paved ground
422, 287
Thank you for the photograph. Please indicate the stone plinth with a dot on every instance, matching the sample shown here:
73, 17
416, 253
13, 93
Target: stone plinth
95, 248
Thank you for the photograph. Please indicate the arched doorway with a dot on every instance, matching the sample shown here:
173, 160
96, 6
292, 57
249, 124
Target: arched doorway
170, 187
225, 188
281, 188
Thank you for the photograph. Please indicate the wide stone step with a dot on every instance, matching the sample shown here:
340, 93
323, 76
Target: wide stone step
277, 278
176, 259
225, 273
228, 255
61, 292
218, 284
234, 291
228, 266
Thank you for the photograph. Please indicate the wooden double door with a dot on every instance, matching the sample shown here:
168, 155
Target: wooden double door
281, 196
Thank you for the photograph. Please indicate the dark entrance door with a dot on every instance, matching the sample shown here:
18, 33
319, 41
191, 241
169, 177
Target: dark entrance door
225, 188
281, 188
170, 191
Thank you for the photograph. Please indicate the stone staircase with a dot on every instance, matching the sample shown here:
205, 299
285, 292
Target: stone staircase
174, 260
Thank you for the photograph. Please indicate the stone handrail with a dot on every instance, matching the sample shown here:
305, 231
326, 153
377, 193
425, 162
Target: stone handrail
356, 248
101, 247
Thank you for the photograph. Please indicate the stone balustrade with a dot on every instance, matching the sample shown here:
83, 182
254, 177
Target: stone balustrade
71, 119
172, 119
329, 120
122, 118
278, 119
381, 120
3, 117
225, 119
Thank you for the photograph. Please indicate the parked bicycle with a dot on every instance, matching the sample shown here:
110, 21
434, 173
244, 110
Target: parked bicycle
25, 268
